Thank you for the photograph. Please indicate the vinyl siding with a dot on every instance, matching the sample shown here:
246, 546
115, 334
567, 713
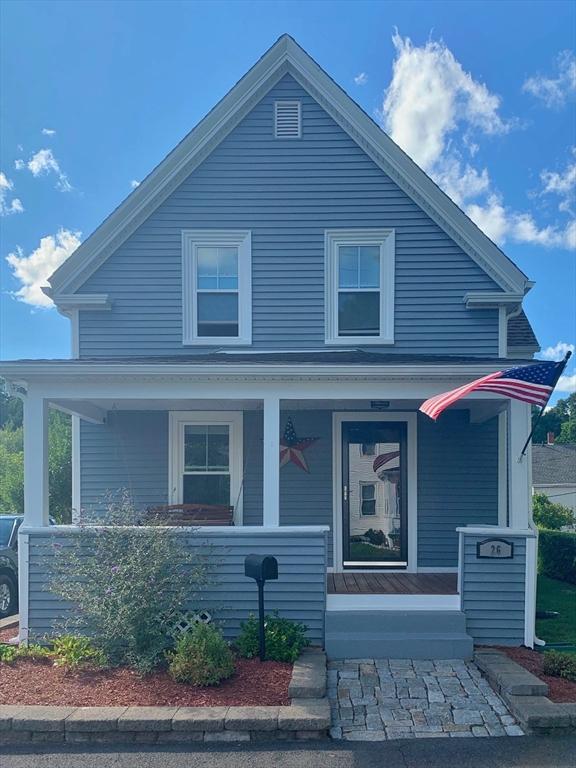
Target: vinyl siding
457, 483
288, 192
493, 594
457, 473
299, 593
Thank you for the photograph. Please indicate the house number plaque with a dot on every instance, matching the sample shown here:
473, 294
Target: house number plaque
498, 549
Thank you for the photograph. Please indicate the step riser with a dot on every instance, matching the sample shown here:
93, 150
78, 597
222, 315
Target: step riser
392, 622
340, 646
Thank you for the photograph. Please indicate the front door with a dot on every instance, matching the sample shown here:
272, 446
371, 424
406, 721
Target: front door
374, 525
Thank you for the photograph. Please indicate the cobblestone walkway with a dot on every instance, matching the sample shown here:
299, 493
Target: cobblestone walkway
379, 699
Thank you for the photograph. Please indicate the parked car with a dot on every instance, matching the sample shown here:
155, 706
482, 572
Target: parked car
9, 525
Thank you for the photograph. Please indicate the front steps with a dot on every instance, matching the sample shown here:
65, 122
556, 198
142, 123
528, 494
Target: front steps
388, 634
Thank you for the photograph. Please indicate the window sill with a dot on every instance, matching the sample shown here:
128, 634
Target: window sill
216, 341
359, 341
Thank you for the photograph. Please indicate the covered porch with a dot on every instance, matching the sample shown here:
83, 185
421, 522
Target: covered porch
135, 426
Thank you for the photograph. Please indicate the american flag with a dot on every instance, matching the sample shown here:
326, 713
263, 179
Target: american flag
384, 458
530, 383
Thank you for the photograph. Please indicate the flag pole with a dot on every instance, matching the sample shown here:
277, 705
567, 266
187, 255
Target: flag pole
543, 408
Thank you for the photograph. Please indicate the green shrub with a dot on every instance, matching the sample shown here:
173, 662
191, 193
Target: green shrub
549, 515
74, 652
557, 555
8, 653
560, 664
128, 583
34, 652
202, 657
285, 639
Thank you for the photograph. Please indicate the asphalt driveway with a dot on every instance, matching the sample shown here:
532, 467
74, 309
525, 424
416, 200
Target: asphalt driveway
521, 752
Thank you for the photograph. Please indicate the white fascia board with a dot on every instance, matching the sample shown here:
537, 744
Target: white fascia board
24, 371
93, 301
211, 530
485, 299
285, 56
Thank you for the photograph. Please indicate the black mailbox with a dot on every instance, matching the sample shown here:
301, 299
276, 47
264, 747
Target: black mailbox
261, 567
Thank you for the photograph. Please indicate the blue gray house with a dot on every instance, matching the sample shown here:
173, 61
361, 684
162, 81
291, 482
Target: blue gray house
254, 329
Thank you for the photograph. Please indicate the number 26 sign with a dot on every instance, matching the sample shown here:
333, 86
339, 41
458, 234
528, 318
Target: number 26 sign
499, 549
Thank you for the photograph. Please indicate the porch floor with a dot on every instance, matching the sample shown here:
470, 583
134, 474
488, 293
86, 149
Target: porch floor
392, 583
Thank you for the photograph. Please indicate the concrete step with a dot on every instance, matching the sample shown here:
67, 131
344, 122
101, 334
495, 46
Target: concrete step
397, 634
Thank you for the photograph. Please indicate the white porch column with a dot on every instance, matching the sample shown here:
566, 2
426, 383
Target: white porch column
35, 460
271, 512
519, 472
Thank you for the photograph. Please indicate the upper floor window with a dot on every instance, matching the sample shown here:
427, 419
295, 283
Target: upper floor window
216, 291
360, 286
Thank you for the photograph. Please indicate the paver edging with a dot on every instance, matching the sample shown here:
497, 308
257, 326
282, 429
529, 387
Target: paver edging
527, 699
307, 717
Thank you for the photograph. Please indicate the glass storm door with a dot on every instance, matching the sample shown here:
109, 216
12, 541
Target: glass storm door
374, 486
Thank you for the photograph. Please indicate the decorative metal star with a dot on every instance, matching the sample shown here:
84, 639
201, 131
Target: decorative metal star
292, 447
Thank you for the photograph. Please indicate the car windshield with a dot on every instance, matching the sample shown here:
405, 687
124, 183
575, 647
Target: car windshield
6, 524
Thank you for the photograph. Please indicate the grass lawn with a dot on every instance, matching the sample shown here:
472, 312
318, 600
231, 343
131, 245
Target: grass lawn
558, 596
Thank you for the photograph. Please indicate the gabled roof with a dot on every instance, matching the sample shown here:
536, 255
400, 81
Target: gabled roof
554, 465
285, 56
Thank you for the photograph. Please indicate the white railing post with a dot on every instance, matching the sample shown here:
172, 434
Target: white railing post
519, 472
271, 458
35, 460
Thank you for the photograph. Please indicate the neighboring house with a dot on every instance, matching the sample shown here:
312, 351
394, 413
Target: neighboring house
287, 259
554, 472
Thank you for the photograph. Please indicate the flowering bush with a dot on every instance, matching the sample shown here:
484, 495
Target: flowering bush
129, 584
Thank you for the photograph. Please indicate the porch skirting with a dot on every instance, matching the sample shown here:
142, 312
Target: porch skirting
299, 593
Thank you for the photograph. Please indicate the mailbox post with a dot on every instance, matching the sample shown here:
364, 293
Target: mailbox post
261, 568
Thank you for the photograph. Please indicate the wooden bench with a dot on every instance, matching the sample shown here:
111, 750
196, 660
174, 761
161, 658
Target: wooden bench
190, 514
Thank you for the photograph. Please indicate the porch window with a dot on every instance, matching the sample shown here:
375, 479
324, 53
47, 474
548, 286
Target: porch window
367, 499
206, 458
360, 286
217, 274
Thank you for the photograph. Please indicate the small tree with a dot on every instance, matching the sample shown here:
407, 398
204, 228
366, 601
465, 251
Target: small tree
549, 515
128, 583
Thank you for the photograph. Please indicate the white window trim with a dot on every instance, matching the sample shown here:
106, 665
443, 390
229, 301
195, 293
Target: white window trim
412, 455
234, 421
364, 483
191, 240
385, 239
292, 102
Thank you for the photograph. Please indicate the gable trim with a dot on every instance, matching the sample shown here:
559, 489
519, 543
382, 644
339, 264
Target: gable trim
285, 57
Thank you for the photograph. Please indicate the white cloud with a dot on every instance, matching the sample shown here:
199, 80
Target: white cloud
134, 184
562, 184
430, 97
361, 78
566, 383
437, 112
48, 131
33, 270
558, 351
43, 163
554, 91
8, 206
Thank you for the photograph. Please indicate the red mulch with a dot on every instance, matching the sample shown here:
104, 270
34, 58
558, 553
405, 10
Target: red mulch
8, 634
561, 690
38, 682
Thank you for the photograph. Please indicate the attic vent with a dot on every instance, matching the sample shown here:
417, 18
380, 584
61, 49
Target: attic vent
287, 119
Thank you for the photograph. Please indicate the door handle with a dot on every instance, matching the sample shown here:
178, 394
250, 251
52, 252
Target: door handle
345, 492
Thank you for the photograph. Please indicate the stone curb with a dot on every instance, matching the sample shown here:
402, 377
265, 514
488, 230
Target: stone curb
525, 694
303, 719
309, 675
307, 717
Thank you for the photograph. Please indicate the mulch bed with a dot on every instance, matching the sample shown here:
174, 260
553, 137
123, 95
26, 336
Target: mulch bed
8, 634
561, 691
38, 682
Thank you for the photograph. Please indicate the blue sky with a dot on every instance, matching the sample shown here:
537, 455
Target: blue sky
94, 94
